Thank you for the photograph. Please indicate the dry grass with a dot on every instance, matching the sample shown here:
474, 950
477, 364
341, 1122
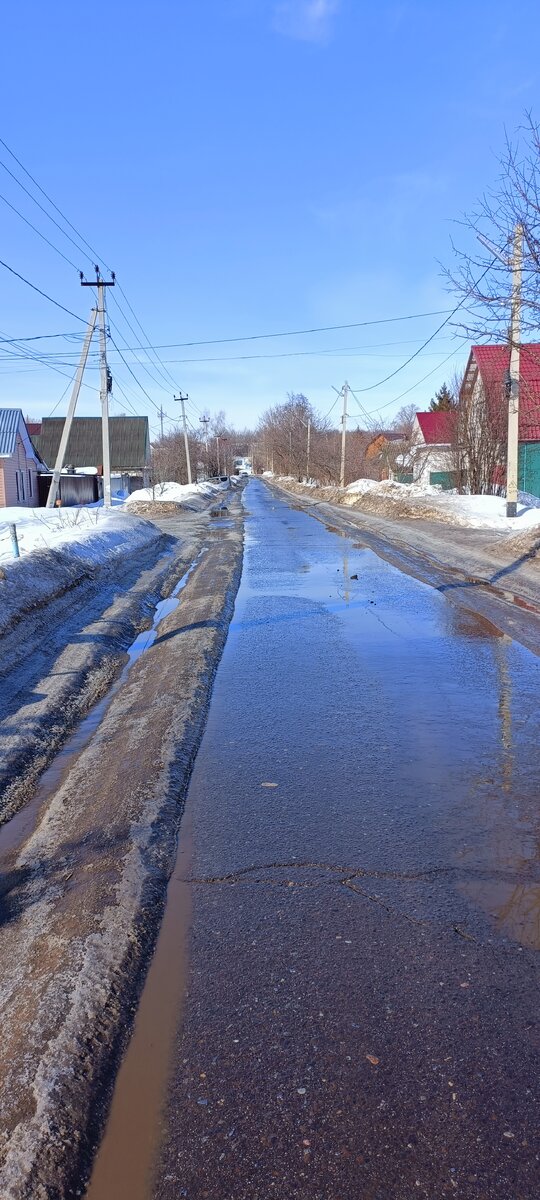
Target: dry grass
155, 508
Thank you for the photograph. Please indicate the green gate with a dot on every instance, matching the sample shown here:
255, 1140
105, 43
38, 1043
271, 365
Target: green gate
443, 479
529, 468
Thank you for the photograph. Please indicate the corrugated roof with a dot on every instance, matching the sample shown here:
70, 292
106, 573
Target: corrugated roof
438, 428
129, 439
493, 363
10, 419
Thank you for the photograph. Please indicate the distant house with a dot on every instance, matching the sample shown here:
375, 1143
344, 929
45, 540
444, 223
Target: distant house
380, 454
432, 453
20, 463
485, 382
129, 444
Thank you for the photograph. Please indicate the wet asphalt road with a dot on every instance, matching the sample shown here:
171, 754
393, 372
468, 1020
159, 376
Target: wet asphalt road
361, 1017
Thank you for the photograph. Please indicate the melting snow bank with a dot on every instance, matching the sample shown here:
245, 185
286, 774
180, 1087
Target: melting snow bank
90, 885
59, 548
392, 499
170, 496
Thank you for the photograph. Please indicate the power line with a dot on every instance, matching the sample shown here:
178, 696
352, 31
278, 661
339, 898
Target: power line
40, 336
292, 332
36, 289
137, 381
374, 411
392, 375
65, 234
52, 203
336, 350
38, 231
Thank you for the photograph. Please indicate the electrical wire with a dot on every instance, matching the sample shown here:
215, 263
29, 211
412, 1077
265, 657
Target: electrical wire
38, 231
254, 337
395, 400
52, 203
65, 234
47, 297
392, 375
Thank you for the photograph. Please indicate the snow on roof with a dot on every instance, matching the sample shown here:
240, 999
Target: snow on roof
437, 428
493, 363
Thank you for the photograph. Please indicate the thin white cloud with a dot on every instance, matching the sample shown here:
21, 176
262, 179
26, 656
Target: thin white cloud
306, 20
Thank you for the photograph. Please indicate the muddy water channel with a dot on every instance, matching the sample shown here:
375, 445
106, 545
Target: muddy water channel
356, 902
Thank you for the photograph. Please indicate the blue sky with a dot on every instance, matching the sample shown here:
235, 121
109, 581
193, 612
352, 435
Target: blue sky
250, 166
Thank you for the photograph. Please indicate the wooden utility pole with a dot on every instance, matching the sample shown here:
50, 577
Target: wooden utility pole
105, 378
60, 457
345, 392
308, 447
512, 461
181, 400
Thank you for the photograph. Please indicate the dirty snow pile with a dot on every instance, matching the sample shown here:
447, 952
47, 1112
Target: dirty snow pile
477, 512
175, 493
95, 533
423, 501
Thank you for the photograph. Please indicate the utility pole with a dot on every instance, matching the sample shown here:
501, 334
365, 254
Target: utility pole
345, 391
217, 448
105, 378
205, 421
181, 400
512, 386
55, 481
512, 462
161, 415
308, 447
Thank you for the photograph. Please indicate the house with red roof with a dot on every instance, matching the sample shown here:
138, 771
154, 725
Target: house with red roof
432, 455
485, 383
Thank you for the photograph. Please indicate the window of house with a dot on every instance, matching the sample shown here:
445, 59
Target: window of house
19, 483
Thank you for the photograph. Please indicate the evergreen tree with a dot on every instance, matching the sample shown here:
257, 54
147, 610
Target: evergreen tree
443, 401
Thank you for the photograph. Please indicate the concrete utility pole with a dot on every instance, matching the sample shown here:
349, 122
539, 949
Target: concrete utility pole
161, 416
345, 391
512, 462
105, 379
512, 451
205, 421
181, 400
55, 481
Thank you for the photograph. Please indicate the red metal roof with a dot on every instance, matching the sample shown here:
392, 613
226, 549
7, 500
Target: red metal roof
437, 427
493, 363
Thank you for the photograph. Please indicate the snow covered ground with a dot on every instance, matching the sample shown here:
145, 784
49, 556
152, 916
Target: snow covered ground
100, 532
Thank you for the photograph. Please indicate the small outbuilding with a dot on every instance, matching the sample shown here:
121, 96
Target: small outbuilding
129, 446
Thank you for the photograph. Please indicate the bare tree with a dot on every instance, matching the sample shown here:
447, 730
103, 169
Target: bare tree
479, 439
477, 276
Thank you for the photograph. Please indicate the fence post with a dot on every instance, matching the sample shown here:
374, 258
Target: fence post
14, 541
